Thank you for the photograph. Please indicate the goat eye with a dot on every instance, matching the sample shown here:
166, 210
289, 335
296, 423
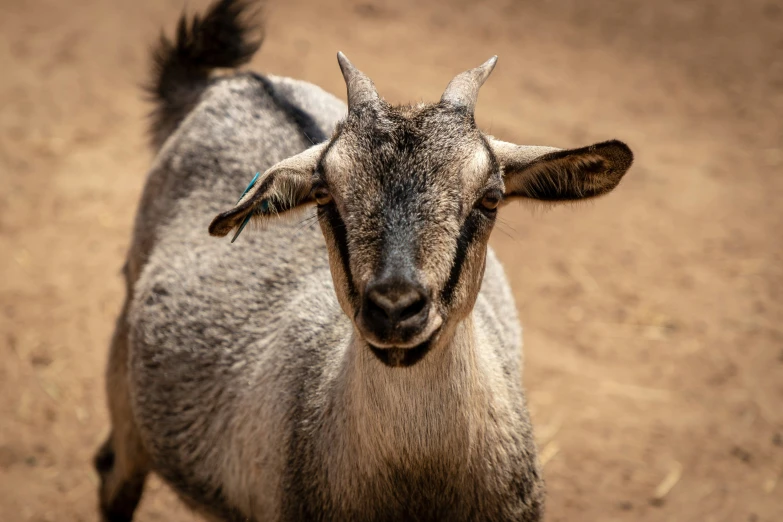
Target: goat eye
321, 196
490, 201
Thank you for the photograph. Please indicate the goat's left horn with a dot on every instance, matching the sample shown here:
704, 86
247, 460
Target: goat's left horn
360, 87
463, 89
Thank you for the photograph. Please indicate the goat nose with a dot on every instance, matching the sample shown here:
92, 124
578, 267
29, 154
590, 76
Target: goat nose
397, 304
395, 310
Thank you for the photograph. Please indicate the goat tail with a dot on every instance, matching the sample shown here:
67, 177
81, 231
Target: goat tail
226, 37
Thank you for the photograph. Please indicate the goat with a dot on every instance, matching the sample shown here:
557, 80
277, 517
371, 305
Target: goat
259, 387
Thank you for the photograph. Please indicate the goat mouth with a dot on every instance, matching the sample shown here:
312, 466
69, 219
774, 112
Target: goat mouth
402, 357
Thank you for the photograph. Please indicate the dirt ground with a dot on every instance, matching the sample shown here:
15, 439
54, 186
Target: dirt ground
653, 317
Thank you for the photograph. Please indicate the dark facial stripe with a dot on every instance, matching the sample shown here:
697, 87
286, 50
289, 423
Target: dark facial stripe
467, 235
397, 235
340, 234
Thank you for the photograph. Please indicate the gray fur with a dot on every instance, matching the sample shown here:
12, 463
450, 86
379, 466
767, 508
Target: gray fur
229, 342
241, 374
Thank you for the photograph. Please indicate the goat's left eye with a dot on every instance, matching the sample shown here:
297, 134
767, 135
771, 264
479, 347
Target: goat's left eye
321, 196
490, 201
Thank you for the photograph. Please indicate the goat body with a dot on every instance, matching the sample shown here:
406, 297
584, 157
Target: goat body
241, 373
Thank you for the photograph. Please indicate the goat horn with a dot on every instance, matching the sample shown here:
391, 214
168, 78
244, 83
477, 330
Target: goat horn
360, 87
463, 89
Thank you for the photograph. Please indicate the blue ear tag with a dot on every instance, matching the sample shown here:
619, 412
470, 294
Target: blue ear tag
247, 219
252, 183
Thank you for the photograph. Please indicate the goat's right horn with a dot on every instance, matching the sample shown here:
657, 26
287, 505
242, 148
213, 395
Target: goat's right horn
360, 87
463, 89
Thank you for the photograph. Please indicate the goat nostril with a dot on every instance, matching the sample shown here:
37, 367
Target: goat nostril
413, 309
373, 305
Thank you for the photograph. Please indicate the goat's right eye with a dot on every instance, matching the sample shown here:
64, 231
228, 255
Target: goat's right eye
321, 196
491, 200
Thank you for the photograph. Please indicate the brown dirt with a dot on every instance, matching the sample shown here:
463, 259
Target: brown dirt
654, 337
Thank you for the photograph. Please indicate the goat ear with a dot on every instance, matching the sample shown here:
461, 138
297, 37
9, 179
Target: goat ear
285, 186
550, 174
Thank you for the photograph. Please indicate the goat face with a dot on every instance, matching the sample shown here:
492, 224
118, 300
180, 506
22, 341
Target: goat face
406, 199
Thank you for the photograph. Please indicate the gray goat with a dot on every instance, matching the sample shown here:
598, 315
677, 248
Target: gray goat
363, 363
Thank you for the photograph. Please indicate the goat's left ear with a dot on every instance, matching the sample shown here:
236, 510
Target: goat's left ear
550, 174
284, 187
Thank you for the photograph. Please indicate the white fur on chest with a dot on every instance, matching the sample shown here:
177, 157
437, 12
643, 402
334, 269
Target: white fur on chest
441, 411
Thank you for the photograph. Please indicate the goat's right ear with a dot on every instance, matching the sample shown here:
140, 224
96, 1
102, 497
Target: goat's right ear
550, 174
285, 186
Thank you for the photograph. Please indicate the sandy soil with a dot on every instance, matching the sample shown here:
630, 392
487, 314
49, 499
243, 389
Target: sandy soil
654, 317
